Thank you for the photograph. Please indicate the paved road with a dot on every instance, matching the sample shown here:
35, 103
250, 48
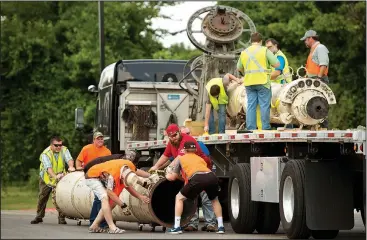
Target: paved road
16, 224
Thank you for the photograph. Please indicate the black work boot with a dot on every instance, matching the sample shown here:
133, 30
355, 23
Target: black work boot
36, 221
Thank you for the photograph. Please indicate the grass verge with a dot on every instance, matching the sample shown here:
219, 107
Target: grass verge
20, 198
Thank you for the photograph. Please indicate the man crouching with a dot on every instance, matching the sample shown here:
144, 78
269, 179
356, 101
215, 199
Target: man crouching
197, 178
107, 182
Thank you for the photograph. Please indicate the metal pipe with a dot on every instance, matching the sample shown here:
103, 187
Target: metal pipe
74, 199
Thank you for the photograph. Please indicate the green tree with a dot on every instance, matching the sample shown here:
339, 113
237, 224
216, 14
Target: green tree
341, 27
50, 54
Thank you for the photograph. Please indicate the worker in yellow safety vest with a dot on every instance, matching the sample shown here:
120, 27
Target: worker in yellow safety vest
279, 75
282, 73
217, 100
52, 169
254, 63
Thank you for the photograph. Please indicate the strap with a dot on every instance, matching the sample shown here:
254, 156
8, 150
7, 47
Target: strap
252, 58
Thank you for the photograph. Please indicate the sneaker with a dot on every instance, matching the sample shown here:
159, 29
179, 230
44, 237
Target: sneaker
177, 230
190, 229
221, 230
36, 221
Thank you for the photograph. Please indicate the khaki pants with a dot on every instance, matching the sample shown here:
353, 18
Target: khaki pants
43, 197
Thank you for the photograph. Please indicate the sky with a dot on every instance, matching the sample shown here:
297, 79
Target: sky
180, 15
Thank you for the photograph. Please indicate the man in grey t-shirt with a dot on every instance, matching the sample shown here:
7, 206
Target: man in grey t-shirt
317, 64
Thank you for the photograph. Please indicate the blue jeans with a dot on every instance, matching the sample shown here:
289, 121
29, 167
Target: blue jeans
208, 212
258, 94
94, 212
221, 119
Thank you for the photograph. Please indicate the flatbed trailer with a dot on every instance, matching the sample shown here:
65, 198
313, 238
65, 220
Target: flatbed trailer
310, 181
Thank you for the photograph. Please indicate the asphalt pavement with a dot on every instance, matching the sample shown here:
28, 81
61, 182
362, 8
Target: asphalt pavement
16, 224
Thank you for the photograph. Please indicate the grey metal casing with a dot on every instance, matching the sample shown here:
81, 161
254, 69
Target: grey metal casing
143, 93
265, 178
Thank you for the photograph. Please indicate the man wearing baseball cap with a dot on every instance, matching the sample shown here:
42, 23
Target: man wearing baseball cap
198, 178
88, 153
175, 147
317, 65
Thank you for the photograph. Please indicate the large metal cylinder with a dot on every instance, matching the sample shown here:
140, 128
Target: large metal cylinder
74, 199
304, 101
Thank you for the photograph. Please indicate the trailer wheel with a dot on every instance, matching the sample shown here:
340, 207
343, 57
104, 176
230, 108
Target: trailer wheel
268, 218
241, 210
291, 200
324, 234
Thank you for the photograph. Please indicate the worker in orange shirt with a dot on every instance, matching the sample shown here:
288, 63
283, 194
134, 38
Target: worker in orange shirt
198, 177
107, 182
88, 153
92, 151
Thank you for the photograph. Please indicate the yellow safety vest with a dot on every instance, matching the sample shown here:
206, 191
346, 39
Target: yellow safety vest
286, 72
222, 98
58, 166
253, 60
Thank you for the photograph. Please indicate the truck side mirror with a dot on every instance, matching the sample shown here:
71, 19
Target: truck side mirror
92, 89
79, 118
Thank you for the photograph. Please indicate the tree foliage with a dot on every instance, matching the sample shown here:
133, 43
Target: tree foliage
50, 54
342, 29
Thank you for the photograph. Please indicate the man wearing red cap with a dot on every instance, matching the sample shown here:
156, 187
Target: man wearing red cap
175, 147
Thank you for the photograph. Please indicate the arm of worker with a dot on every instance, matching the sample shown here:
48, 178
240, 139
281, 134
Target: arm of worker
47, 165
173, 170
323, 57
134, 193
69, 160
110, 182
158, 165
272, 59
79, 160
322, 71
232, 78
78, 165
114, 197
208, 107
142, 173
278, 70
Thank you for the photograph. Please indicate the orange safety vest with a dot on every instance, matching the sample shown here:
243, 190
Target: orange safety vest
311, 66
190, 164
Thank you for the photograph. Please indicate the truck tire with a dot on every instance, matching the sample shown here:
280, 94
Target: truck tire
292, 202
324, 234
242, 211
363, 212
268, 218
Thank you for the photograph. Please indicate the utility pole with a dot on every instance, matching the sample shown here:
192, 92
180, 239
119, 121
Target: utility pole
101, 34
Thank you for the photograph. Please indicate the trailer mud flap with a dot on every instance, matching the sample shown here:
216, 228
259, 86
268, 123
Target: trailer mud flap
329, 196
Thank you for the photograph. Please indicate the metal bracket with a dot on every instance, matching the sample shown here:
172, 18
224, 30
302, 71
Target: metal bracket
312, 150
344, 150
254, 148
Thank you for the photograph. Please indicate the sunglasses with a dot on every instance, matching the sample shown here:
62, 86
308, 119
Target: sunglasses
58, 145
